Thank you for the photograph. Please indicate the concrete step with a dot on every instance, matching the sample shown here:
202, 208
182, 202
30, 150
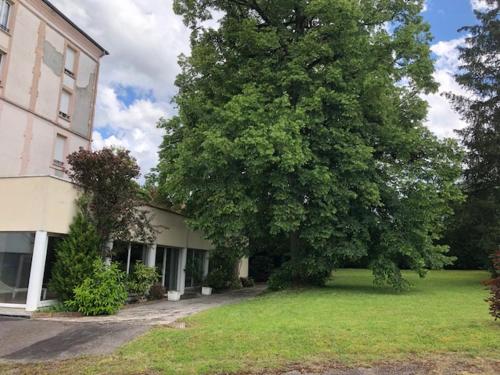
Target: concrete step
14, 312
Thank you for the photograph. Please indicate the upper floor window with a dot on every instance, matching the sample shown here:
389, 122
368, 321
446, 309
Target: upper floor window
64, 105
2, 58
69, 64
59, 150
5, 6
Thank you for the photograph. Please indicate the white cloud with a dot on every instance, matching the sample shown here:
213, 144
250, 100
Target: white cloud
132, 127
144, 39
481, 5
442, 119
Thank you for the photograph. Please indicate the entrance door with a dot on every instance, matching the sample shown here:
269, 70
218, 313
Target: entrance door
167, 264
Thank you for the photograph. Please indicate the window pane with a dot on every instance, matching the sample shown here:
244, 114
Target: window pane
136, 255
47, 293
172, 269
4, 16
59, 149
16, 252
120, 254
70, 60
65, 99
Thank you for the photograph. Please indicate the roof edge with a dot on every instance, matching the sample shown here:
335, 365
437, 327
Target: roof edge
63, 16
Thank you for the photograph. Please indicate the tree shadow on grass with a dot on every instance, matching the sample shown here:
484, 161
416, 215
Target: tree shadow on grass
347, 289
366, 289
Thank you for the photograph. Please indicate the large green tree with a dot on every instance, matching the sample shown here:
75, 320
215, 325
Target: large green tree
300, 126
475, 231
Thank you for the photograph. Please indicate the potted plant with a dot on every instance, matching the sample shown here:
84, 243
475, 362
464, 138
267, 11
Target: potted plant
206, 289
174, 295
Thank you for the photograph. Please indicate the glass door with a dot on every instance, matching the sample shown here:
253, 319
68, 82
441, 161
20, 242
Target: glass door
167, 264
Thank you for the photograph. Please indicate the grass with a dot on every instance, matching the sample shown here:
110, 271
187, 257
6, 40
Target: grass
349, 321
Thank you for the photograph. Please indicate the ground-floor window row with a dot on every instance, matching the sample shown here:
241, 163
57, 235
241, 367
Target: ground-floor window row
27, 258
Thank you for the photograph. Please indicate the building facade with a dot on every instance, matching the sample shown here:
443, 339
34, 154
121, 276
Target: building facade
49, 71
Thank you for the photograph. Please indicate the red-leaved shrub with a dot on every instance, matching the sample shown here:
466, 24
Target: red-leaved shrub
494, 284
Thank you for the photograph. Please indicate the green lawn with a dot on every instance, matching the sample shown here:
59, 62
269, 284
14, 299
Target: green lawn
349, 321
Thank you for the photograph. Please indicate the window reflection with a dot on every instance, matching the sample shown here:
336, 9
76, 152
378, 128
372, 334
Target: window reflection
16, 253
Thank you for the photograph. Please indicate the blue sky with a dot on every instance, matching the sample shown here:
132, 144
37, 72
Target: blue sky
447, 16
137, 80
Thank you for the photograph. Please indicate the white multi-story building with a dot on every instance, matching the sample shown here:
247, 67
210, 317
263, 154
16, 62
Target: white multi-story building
48, 81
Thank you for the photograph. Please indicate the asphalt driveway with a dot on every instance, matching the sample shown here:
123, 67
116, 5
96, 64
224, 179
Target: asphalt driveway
32, 340
51, 339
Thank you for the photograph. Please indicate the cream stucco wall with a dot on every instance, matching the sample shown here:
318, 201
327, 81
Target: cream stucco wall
27, 142
49, 84
21, 55
13, 124
29, 204
32, 79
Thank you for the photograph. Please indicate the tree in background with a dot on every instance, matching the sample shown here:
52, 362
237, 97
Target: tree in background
112, 196
75, 256
300, 126
475, 230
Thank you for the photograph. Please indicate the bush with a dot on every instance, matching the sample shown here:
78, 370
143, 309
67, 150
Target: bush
247, 282
101, 294
222, 274
141, 280
494, 285
279, 280
157, 291
75, 256
216, 280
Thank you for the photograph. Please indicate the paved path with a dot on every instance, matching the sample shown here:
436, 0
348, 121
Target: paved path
62, 338
31, 341
167, 312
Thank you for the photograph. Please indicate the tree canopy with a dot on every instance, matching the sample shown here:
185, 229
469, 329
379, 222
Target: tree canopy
475, 231
300, 127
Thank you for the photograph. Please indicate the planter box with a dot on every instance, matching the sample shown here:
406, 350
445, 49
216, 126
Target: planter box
174, 296
206, 291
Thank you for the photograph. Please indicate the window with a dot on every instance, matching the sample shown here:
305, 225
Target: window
64, 104
16, 251
59, 150
2, 58
127, 254
69, 64
47, 292
167, 264
194, 267
4, 14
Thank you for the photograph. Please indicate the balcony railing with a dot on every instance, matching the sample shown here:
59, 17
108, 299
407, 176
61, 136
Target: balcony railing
65, 116
69, 73
58, 163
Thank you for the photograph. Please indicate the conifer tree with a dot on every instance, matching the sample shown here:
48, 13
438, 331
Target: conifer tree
75, 256
475, 231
